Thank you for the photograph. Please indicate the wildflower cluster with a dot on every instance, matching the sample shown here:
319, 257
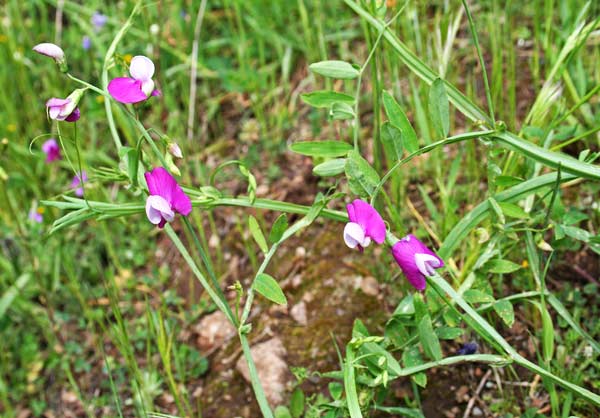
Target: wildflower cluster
413, 257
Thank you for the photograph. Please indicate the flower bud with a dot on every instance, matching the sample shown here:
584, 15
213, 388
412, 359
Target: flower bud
174, 150
53, 51
74, 99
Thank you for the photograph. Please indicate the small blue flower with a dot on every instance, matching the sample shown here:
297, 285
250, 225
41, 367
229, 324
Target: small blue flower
86, 42
467, 349
99, 20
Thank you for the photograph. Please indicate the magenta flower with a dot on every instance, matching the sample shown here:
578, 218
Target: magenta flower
139, 86
77, 183
416, 260
365, 225
166, 197
65, 109
52, 150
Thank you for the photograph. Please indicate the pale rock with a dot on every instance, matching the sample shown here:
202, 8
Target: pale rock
298, 312
272, 369
213, 330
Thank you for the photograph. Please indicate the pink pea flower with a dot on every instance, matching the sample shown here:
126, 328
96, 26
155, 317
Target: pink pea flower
365, 225
52, 150
139, 86
65, 109
416, 260
53, 51
166, 197
77, 183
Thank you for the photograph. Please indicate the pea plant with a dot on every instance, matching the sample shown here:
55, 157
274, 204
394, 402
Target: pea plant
444, 296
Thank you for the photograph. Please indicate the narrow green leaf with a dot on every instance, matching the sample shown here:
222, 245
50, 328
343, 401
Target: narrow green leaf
393, 367
257, 234
327, 149
428, 338
326, 98
439, 109
547, 334
341, 111
391, 137
513, 211
398, 118
362, 178
448, 333
497, 210
278, 228
335, 69
297, 403
269, 288
501, 266
507, 181
12, 292
350, 384
477, 296
504, 309
330, 167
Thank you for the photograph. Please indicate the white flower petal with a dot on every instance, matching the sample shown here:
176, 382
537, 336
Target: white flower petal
354, 235
148, 87
426, 263
158, 208
141, 68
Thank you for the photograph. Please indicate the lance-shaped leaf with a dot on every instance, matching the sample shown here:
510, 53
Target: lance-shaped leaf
335, 69
398, 118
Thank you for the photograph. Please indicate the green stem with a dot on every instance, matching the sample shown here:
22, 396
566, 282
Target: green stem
258, 391
190, 261
209, 267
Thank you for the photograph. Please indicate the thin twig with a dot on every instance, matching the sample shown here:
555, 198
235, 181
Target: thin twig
194, 71
475, 396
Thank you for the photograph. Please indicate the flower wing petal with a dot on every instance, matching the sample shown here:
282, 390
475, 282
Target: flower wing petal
126, 90
354, 235
366, 216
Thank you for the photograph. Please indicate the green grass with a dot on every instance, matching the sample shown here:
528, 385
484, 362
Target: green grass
90, 302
